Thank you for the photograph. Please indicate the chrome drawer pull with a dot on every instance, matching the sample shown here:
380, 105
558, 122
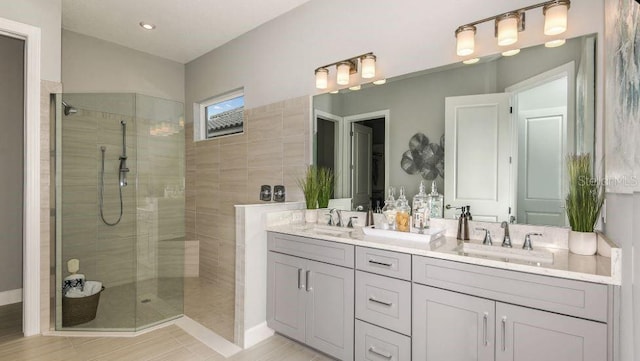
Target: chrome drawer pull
380, 353
484, 328
380, 263
388, 304
504, 331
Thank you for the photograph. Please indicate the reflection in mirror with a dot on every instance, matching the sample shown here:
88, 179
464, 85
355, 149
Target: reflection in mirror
493, 135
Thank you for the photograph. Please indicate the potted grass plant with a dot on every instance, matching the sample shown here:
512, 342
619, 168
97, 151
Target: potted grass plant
309, 186
325, 186
583, 205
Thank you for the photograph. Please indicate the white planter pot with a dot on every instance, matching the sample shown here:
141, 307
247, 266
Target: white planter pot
311, 215
583, 243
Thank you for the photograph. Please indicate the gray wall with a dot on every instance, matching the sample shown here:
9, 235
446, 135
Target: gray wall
91, 65
11, 161
47, 15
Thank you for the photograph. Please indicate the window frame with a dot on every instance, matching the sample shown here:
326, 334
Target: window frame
203, 105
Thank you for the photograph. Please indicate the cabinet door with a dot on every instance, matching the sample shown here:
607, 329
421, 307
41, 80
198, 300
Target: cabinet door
286, 295
525, 334
330, 309
451, 326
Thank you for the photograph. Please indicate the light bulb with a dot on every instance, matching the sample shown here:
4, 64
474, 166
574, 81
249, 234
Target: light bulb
368, 66
379, 81
555, 18
465, 40
508, 29
344, 69
471, 61
322, 78
356, 87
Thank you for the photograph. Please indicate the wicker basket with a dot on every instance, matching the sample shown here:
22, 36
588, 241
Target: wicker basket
76, 311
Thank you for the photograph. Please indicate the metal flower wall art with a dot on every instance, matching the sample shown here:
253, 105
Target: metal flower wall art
424, 157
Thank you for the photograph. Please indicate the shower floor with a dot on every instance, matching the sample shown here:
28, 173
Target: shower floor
156, 300
211, 304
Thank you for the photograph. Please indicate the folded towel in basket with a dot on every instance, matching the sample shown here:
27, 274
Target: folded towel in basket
90, 288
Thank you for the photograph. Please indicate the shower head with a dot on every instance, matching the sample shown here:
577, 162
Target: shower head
68, 109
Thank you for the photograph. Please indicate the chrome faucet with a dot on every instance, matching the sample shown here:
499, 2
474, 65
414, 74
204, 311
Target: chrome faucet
339, 222
506, 241
487, 236
527, 240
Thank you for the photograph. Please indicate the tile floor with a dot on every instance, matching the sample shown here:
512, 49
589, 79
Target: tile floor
167, 344
210, 304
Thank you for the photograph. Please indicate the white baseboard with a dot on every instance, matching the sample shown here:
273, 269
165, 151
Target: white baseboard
208, 337
257, 334
10, 297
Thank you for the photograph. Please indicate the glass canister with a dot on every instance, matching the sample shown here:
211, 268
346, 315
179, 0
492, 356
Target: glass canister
435, 202
420, 210
403, 211
389, 209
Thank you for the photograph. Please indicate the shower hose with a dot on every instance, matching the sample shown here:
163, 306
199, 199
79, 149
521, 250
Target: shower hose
103, 150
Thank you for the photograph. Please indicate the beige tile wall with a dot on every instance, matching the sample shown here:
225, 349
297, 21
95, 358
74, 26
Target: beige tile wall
223, 172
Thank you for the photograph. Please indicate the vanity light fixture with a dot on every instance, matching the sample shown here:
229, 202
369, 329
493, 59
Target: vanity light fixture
345, 68
355, 87
379, 81
466, 38
511, 52
334, 92
147, 26
322, 78
509, 24
471, 61
555, 17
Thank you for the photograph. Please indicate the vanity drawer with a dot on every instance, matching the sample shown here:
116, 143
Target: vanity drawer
569, 297
384, 301
373, 343
314, 249
386, 263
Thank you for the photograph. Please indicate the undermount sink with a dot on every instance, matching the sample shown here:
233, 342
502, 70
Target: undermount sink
537, 256
332, 231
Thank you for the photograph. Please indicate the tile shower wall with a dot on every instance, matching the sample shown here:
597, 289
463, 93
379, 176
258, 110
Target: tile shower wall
106, 253
274, 149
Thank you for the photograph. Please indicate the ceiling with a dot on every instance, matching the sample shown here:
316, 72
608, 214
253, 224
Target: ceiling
185, 29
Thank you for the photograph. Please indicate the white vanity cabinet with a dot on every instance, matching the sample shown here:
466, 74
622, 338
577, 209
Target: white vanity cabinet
470, 318
310, 293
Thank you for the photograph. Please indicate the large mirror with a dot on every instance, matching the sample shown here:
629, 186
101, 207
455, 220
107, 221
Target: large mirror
494, 135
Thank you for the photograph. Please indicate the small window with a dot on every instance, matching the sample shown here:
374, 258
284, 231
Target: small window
222, 115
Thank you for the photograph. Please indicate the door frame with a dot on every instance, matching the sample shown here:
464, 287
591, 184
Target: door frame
31, 223
567, 70
346, 145
338, 135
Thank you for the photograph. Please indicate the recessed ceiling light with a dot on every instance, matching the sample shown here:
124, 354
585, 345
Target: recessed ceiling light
554, 43
355, 87
471, 61
511, 52
380, 81
147, 26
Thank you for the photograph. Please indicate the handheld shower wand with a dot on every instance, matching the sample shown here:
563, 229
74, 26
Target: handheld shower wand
122, 172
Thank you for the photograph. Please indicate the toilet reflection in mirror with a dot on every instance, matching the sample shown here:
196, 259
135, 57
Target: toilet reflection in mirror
508, 124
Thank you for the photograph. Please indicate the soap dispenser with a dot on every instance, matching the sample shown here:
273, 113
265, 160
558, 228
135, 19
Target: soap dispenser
420, 210
460, 235
403, 220
435, 202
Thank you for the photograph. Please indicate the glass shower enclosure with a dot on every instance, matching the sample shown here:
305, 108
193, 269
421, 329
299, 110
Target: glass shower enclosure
119, 209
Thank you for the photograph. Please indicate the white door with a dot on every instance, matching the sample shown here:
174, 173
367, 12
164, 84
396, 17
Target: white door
477, 156
361, 156
542, 151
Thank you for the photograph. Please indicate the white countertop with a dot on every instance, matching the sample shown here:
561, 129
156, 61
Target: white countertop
597, 269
